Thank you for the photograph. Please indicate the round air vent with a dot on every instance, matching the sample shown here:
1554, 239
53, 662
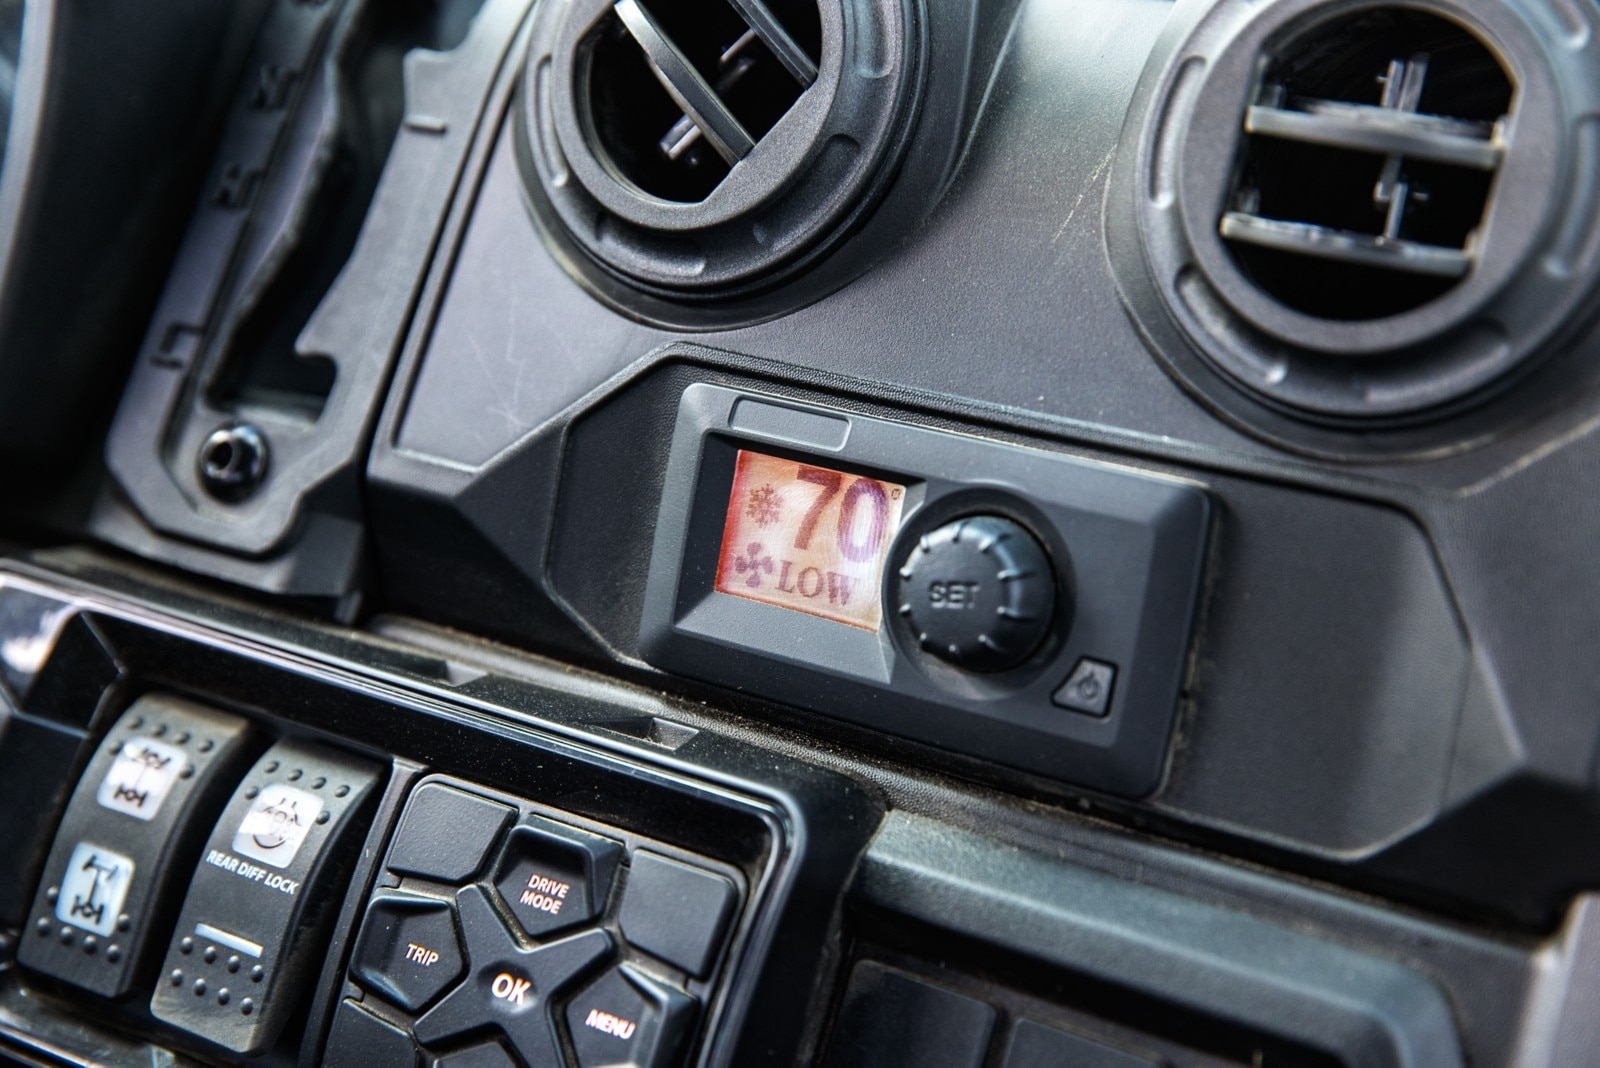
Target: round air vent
1362, 215
1369, 156
704, 148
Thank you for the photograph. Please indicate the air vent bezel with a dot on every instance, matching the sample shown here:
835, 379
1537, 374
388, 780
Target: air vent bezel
822, 163
1536, 249
1519, 201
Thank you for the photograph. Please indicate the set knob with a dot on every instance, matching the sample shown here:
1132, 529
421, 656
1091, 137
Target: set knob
978, 592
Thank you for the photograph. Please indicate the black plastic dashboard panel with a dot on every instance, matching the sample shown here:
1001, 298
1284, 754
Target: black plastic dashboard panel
1351, 1007
582, 754
1374, 681
1343, 802
1374, 688
1128, 550
1056, 905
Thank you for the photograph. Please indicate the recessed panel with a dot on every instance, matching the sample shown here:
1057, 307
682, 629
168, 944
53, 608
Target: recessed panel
1005, 570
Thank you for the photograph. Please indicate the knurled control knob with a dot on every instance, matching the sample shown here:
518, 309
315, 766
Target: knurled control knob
978, 592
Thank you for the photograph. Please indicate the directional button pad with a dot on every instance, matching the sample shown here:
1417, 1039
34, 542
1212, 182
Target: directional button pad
510, 987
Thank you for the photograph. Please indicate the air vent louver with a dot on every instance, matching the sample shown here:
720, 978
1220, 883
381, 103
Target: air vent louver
680, 93
1368, 166
708, 148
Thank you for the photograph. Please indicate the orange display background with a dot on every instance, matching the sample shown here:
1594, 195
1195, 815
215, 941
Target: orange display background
808, 538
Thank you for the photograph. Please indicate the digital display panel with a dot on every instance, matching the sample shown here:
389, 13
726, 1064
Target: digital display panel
808, 538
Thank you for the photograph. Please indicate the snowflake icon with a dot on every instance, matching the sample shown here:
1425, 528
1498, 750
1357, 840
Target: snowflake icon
764, 506
754, 562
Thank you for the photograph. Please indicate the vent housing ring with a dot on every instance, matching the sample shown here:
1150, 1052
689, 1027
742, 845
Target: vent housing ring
701, 149
1363, 215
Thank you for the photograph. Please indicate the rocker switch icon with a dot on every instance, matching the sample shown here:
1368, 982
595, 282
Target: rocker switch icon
141, 777
94, 889
276, 824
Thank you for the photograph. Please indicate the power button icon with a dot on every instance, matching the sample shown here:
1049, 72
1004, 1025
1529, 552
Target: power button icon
1088, 688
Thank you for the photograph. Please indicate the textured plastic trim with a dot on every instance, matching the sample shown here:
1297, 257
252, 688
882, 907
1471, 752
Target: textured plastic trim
1360, 1008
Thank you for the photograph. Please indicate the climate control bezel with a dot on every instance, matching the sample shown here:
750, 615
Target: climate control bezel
1130, 547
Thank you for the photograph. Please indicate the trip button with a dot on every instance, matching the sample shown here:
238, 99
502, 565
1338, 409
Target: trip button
409, 950
628, 1020
508, 986
552, 876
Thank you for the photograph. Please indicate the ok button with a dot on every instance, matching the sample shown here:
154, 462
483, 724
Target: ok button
511, 986
511, 990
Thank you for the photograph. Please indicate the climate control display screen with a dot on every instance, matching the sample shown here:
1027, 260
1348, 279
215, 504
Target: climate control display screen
808, 538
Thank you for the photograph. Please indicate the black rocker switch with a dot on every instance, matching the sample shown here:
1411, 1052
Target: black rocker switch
268, 883
144, 799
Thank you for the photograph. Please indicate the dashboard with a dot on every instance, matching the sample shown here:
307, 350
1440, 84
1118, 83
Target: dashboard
960, 533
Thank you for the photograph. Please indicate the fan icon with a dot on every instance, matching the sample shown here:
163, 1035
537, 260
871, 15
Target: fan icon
754, 562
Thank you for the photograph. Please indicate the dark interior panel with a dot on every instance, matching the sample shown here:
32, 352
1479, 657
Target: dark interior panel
978, 533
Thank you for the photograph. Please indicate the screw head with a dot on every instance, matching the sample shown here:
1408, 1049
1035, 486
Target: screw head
233, 462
